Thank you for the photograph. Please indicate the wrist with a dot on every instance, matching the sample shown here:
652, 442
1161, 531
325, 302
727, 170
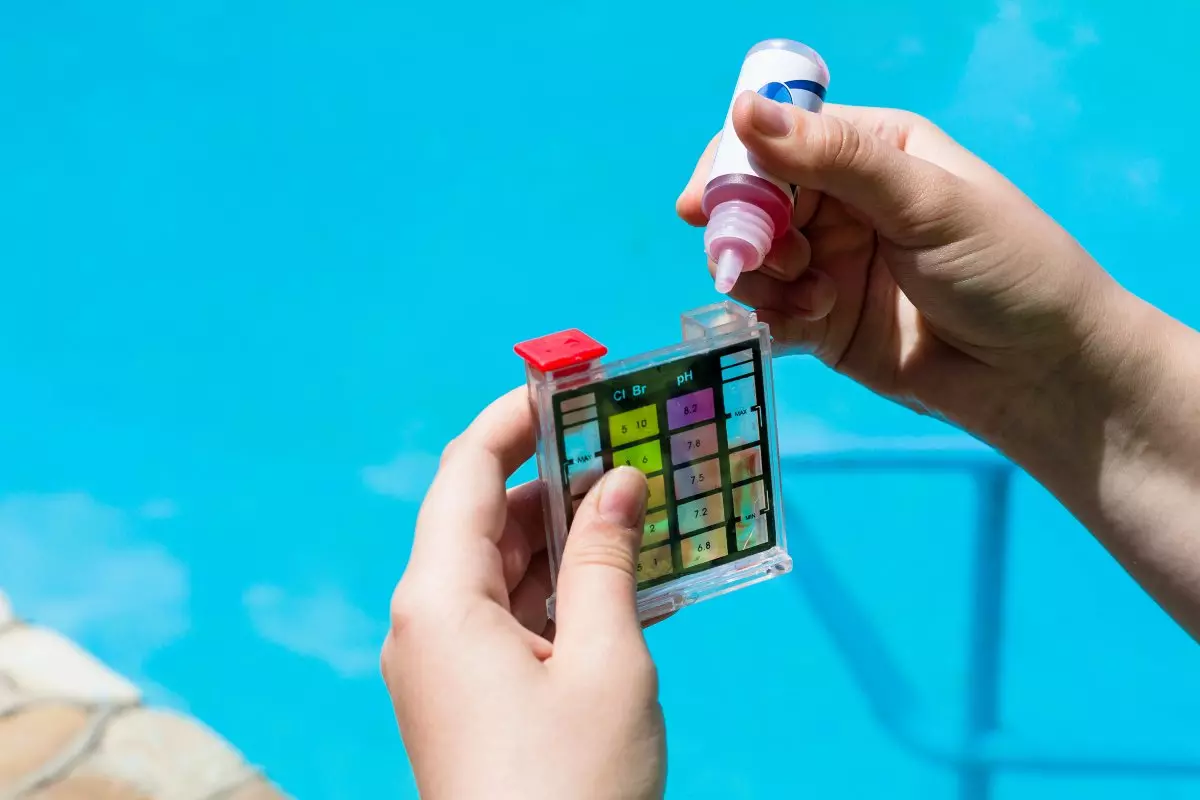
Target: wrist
1098, 403
1114, 436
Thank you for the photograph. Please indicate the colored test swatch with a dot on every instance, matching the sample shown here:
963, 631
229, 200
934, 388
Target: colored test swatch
646, 457
750, 533
703, 513
654, 563
704, 547
742, 430
656, 528
745, 464
630, 426
698, 478
740, 396
694, 444
690, 409
657, 492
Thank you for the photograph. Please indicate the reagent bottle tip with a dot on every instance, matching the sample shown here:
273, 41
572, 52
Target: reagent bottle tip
729, 267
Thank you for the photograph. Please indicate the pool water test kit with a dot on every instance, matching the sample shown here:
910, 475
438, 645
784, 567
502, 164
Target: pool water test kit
698, 419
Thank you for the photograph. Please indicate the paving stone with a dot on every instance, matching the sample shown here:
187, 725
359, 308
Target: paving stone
257, 789
10, 696
88, 787
43, 664
33, 737
165, 755
50, 690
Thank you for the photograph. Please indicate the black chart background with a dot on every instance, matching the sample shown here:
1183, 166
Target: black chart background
661, 386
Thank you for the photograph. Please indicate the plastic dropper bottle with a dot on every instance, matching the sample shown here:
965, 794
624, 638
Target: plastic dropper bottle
746, 208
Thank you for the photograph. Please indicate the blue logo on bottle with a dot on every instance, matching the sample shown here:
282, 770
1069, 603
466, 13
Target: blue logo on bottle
776, 91
783, 92
804, 92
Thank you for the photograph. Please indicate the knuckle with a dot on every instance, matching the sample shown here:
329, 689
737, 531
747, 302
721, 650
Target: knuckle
609, 548
515, 556
845, 148
912, 119
637, 668
940, 201
918, 122
409, 611
641, 666
646, 673
897, 123
386, 659
449, 450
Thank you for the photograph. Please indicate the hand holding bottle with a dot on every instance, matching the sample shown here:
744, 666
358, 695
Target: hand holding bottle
921, 272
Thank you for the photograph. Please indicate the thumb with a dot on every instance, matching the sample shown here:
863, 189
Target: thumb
597, 580
906, 198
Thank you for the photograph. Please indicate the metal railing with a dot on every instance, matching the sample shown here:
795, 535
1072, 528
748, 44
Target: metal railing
976, 748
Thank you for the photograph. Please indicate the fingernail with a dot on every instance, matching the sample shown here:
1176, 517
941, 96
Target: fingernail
623, 497
769, 117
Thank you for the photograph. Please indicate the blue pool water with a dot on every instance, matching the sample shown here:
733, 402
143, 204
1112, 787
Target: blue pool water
261, 260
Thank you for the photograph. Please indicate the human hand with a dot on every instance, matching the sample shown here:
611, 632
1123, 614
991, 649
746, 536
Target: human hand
919, 271
493, 701
913, 267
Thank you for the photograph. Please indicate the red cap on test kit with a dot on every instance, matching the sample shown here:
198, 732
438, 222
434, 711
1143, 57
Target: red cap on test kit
558, 350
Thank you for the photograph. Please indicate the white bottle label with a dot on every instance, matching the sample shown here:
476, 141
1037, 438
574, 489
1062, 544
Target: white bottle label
783, 76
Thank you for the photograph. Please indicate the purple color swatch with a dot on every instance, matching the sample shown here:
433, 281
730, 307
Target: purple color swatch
690, 408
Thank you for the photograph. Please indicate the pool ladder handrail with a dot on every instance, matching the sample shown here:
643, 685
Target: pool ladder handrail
977, 748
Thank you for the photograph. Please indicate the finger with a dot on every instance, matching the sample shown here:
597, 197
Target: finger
528, 599
791, 335
688, 204
805, 207
524, 533
789, 256
756, 289
891, 125
810, 297
919, 137
464, 513
902, 195
597, 582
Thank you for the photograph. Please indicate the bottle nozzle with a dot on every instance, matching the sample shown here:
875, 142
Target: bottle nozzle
729, 267
737, 238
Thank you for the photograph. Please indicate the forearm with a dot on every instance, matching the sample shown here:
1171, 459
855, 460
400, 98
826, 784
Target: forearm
1115, 435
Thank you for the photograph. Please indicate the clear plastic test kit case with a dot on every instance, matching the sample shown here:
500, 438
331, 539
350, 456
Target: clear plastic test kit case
698, 419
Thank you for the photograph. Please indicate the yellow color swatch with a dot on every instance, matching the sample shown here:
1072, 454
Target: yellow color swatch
646, 456
658, 493
629, 426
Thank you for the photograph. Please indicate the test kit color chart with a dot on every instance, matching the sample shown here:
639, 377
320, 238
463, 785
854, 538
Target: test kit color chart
697, 428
